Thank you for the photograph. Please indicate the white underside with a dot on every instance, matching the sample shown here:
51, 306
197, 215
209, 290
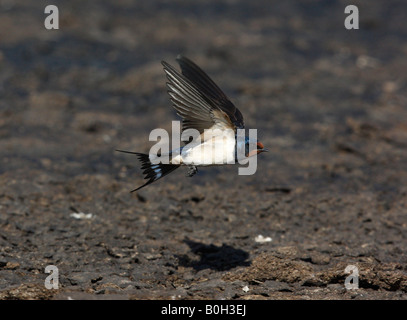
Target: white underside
217, 147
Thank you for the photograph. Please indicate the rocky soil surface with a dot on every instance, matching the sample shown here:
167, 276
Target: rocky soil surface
328, 102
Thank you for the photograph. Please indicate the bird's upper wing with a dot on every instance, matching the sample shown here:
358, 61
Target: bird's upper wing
198, 100
206, 85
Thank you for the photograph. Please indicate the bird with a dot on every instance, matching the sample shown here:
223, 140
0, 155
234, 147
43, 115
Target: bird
203, 107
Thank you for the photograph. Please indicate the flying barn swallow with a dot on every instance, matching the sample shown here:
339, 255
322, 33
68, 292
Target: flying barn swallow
203, 106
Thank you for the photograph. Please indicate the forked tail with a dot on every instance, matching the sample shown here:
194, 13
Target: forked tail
151, 171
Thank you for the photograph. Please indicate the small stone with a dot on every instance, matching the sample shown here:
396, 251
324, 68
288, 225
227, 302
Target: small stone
12, 266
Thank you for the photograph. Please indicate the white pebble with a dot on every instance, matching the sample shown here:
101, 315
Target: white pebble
81, 215
261, 239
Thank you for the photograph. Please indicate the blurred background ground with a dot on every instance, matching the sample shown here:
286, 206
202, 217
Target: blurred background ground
328, 102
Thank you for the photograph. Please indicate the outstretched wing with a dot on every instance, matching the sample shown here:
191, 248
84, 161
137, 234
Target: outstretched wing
208, 87
198, 100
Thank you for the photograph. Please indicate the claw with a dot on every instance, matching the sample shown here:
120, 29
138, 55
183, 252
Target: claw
191, 171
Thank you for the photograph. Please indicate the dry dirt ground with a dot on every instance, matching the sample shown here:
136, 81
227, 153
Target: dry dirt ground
328, 102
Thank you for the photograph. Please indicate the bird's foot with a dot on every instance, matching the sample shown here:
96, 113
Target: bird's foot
191, 171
